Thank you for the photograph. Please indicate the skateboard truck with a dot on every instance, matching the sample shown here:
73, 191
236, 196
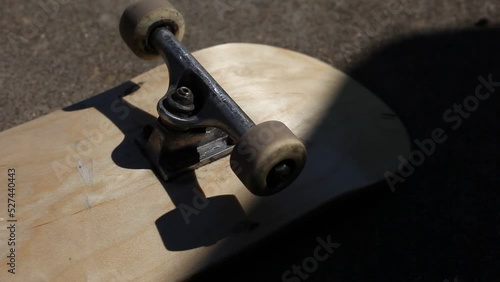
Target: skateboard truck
198, 121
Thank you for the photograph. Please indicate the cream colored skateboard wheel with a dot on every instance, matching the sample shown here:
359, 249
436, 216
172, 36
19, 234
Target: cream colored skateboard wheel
268, 158
141, 18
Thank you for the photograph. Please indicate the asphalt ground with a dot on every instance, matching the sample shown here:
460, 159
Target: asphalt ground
54, 55
422, 57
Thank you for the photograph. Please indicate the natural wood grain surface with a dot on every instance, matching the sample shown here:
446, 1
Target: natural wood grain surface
90, 209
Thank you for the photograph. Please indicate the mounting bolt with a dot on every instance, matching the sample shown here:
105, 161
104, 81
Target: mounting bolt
183, 96
181, 102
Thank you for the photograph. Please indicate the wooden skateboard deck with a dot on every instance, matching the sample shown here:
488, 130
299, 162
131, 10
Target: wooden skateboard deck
89, 208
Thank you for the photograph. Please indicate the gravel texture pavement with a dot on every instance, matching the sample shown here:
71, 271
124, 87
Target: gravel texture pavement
422, 57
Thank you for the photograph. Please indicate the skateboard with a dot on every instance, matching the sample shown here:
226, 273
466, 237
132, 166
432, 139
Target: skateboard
187, 164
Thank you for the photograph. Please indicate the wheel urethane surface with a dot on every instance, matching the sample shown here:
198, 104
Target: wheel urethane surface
140, 18
268, 158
